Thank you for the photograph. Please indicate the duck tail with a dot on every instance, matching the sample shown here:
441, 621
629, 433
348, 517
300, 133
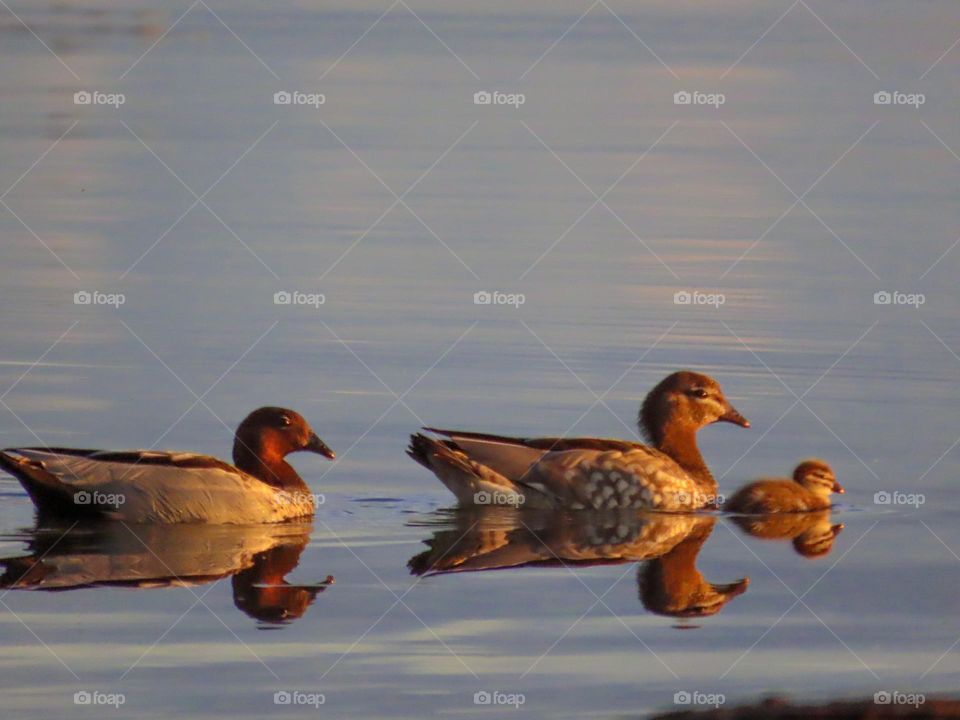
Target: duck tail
462, 476
51, 496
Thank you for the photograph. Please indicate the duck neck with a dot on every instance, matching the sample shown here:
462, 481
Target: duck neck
269, 468
680, 443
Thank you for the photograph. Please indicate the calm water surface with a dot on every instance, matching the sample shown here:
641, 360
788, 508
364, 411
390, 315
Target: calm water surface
597, 199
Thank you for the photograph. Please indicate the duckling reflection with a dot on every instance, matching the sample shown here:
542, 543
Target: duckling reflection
153, 556
812, 533
499, 538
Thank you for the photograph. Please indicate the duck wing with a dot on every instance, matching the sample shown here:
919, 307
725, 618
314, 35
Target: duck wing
513, 456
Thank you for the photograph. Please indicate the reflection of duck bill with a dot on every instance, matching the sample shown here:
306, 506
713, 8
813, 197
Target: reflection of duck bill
276, 604
701, 600
731, 590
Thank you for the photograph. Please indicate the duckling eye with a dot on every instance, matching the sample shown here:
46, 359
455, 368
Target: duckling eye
699, 393
285, 420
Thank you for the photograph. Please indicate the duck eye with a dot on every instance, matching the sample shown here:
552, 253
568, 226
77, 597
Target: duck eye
699, 393
285, 420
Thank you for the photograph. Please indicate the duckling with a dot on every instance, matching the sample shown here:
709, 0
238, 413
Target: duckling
150, 486
810, 489
591, 473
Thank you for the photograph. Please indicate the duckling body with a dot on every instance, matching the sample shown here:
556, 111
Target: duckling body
810, 489
146, 486
591, 473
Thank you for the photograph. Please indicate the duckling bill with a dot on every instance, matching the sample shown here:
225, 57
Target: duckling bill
148, 486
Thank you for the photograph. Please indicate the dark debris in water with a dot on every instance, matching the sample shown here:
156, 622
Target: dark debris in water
778, 708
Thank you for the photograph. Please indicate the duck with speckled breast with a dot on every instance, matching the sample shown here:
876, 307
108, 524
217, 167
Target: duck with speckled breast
591, 473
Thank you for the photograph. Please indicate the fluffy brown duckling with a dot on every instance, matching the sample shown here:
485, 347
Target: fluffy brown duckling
810, 489
591, 473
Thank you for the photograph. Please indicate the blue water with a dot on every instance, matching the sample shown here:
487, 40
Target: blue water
398, 198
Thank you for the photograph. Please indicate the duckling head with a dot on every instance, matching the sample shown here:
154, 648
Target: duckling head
274, 432
686, 400
817, 477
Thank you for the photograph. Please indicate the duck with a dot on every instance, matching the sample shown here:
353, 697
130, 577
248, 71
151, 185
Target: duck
150, 486
810, 488
667, 474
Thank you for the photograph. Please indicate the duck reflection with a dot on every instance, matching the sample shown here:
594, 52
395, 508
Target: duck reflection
672, 585
812, 533
499, 538
256, 558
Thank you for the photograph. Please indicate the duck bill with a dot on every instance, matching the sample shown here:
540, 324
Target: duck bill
838, 488
733, 416
318, 446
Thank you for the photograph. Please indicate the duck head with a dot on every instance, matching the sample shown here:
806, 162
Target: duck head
269, 434
817, 477
685, 401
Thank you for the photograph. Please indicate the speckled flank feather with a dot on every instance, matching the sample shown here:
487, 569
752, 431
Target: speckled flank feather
638, 478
